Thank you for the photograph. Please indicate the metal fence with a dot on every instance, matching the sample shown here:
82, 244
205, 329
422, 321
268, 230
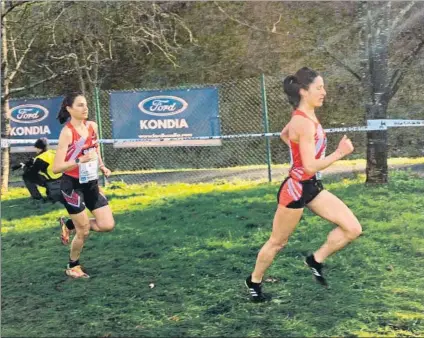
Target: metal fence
251, 106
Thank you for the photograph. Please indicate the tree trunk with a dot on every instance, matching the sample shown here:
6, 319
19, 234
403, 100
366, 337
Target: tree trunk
377, 150
5, 125
5, 156
375, 80
377, 168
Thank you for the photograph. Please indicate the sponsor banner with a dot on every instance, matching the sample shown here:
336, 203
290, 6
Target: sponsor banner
165, 114
31, 119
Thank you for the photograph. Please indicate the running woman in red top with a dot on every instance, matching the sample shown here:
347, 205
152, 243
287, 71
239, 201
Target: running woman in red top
303, 188
78, 158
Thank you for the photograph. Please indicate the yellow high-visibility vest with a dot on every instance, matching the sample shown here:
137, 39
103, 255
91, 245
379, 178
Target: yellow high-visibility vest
48, 157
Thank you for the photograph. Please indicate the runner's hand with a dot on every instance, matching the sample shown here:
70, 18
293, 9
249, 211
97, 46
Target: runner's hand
345, 146
91, 155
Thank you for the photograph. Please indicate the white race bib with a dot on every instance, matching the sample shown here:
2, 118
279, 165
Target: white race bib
88, 171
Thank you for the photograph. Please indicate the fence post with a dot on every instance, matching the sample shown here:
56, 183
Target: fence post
266, 125
99, 123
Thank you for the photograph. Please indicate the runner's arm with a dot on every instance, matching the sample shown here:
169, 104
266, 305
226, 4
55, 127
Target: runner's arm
306, 133
59, 164
99, 156
285, 135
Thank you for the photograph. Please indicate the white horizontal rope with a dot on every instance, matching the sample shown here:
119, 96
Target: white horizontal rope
372, 125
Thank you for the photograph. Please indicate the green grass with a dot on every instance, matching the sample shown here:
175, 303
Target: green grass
16, 176
391, 161
196, 244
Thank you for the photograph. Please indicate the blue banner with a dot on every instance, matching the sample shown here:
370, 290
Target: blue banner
165, 114
32, 119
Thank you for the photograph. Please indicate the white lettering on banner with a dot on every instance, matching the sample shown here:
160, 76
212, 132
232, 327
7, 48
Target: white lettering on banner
28, 113
163, 105
23, 114
33, 130
163, 124
158, 105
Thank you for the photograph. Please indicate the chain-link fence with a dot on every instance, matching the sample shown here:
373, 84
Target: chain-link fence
241, 110
251, 106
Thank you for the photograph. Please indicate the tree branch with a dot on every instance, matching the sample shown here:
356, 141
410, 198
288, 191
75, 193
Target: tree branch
171, 58
12, 44
402, 15
110, 48
12, 7
54, 25
183, 24
165, 45
244, 23
85, 58
345, 66
37, 83
412, 24
96, 67
400, 73
67, 56
19, 63
79, 71
274, 26
147, 47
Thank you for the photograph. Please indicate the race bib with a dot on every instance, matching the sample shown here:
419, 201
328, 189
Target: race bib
88, 171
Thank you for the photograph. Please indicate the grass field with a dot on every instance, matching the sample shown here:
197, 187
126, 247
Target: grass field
16, 176
347, 163
196, 244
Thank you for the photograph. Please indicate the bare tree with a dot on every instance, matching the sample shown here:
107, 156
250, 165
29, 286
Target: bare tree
95, 34
391, 39
8, 75
43, 41
24, 24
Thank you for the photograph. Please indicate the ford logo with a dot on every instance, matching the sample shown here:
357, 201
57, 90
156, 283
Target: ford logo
163, 105
28, 113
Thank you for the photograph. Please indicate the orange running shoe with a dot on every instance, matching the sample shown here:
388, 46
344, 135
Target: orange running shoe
65, 233
76, 272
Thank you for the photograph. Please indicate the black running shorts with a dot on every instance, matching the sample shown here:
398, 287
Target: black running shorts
80, 195
295, 194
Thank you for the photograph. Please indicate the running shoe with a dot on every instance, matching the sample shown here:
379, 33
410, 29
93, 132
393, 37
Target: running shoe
255, 290
76, 272
316, 269
65, 233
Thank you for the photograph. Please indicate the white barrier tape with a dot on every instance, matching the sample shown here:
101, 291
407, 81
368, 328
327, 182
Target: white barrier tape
372, 125
395, 123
